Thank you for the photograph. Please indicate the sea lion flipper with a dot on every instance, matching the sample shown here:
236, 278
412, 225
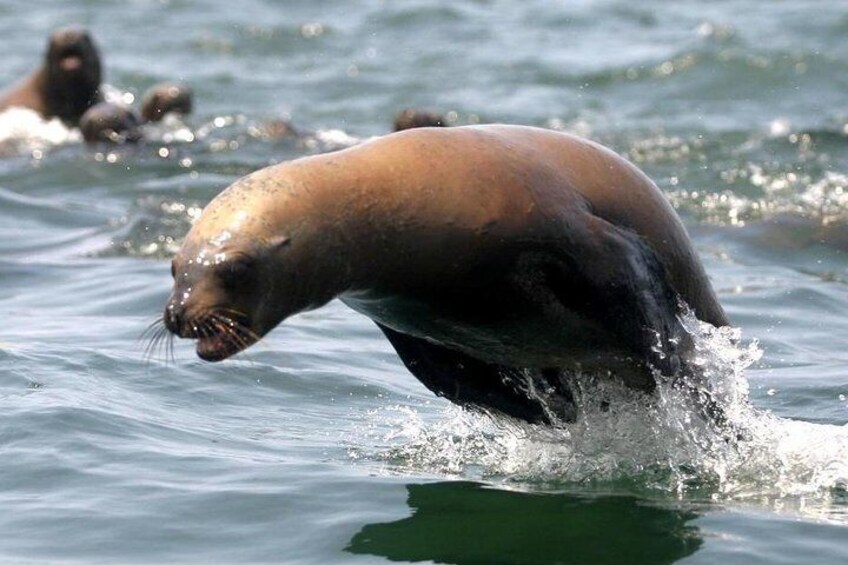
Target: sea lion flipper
623, 285
634, 298
536, 396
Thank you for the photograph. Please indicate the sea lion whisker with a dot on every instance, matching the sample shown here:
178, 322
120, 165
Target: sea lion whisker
233, 331
162, 347
232, 315
232, 311
151, 328
236, 325
204, 328
149, 338
170, 348
148, 350
154, 344
228, 335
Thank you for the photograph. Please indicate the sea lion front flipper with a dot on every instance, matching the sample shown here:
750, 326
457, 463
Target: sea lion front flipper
535, 396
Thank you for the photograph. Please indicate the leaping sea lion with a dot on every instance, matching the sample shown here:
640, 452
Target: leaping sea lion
496, 259
66, 84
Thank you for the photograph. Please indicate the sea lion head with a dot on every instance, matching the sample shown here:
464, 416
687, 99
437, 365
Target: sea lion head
244, 267
73, 74
109, 123
165, 98
416, 118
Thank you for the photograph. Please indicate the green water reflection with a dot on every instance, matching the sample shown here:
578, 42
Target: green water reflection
464, 523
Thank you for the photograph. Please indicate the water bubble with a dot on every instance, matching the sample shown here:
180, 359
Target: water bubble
779, 127
311, 30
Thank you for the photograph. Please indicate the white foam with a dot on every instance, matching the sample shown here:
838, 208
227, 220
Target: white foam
24, 131
329, 140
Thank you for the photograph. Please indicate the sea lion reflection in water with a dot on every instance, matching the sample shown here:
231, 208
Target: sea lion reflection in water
497, 260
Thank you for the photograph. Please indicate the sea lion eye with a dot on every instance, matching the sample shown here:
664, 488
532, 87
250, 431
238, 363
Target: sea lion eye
236, 272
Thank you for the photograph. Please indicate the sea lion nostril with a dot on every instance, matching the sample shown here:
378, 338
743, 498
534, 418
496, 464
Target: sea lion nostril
173, 319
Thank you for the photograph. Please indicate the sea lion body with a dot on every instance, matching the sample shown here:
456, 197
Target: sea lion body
492, 257
66, 84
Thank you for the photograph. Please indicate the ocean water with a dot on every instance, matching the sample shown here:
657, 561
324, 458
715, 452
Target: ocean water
317, 446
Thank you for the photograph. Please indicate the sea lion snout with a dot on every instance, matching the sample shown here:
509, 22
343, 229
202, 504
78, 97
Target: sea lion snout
71, 48
220, 332
204, 307
174, 318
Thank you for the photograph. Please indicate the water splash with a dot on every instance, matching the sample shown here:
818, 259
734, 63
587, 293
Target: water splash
24, 131
656, 442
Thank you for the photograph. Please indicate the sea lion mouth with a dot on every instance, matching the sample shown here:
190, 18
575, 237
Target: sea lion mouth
221, 335
70, 63
71, 57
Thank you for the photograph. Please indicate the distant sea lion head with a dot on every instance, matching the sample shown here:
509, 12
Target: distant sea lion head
165, 98
110, 123
416, 118
73, 73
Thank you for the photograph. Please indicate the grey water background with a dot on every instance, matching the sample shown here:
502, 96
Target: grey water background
317, 446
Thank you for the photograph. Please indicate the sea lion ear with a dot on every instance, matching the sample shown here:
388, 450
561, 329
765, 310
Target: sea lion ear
278, 242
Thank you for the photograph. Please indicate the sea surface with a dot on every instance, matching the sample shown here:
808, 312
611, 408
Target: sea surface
316, 445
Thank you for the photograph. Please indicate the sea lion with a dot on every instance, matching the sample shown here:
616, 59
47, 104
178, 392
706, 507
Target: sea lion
416, 118
165, 98
66, 84
110, 123
279, 128
498, 260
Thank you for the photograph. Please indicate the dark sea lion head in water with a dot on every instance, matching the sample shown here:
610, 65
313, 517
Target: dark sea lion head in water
72, 74
416, 118
110, 123
495, 259
166, 98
